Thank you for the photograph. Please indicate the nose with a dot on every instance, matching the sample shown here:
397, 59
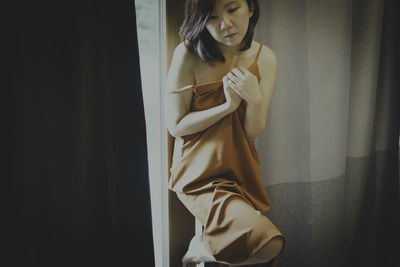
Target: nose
226, 22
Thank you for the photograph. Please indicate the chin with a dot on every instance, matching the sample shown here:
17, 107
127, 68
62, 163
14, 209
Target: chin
232, 43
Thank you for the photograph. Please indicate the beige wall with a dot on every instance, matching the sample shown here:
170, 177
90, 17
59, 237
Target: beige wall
181, 222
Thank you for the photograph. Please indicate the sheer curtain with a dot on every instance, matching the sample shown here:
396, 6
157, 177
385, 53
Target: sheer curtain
77, 178
329, 153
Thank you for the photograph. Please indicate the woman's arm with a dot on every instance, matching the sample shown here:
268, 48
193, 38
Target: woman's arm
197, 121
257, 111
257, 94
180, 121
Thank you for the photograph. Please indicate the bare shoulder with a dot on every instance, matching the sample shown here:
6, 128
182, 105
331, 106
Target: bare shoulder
267, 60
182, 51
181, 68
182, 56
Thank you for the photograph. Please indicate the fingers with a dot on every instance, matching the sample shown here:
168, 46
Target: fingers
231, 82
233, 85
239, 73
235, 88
233, 78
244, 70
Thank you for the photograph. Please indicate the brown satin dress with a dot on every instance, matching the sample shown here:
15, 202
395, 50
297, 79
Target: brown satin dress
216, 175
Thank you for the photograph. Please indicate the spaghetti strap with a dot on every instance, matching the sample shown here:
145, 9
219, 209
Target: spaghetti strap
258, 53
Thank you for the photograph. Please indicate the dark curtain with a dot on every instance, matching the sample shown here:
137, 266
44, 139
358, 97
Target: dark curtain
77, 174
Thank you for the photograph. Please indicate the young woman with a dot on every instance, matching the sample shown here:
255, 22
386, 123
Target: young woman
219, 88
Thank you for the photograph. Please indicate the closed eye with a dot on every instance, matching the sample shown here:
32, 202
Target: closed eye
232, 10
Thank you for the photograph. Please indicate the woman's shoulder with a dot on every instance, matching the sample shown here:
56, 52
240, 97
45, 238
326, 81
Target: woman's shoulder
266, 54
181, 71
267, 59
182, 54
181, 48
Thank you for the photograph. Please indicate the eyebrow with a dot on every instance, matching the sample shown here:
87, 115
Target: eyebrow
230, 3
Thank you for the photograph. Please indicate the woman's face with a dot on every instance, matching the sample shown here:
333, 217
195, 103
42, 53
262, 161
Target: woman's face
229, 21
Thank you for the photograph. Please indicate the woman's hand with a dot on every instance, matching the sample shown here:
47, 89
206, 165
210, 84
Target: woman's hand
232, 98
245, 84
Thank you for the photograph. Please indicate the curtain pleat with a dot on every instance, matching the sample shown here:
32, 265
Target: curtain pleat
329, 153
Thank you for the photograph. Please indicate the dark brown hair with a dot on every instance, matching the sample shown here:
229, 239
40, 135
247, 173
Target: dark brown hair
196, 37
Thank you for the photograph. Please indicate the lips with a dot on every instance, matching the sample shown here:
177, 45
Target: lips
230, 35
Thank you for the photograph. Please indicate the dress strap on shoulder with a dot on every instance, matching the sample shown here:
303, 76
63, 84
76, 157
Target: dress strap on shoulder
259, 50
